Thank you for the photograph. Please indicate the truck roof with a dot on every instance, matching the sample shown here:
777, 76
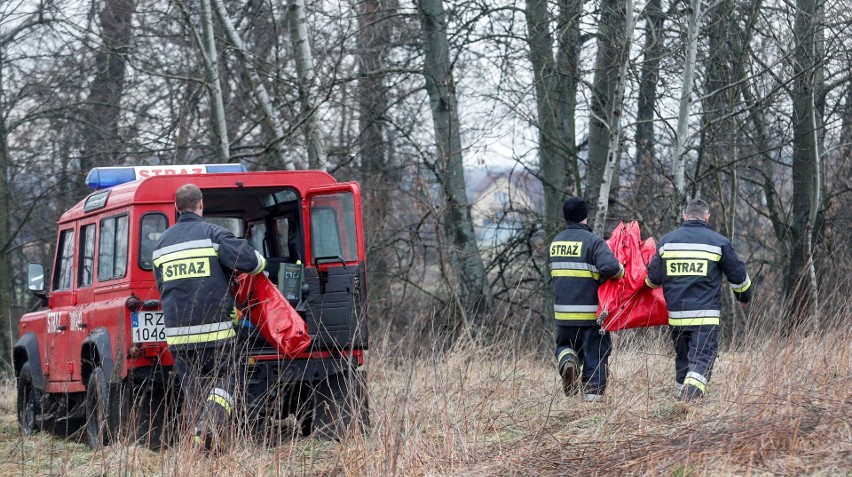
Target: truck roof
161, 188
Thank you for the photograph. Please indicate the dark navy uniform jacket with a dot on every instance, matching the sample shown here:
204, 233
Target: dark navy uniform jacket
689, 265
579, 259
193, 262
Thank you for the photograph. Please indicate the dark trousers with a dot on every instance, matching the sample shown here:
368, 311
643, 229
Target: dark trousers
695, 353
207, 378
592, 351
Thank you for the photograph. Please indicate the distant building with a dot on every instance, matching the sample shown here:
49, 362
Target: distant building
505, 204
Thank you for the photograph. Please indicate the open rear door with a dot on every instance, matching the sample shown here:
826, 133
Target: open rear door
335, 268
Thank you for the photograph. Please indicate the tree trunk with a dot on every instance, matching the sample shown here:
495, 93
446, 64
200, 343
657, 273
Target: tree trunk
717, 131
614, 121
102, 141
568, 73
679, 165
305, 72
611, 31
800, 282
472, 281
374, 28
6, 283
214, 88
551, 156
644, 137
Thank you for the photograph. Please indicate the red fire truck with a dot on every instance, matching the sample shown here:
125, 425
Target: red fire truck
97, 350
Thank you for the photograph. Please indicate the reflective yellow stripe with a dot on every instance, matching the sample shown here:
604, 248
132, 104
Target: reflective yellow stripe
260, 265
220, 401
709, 320
191, 253
575, 273
620, 273
745, 287
201, 337
690, 254
650, 285
694, 382
576, 316
565, 353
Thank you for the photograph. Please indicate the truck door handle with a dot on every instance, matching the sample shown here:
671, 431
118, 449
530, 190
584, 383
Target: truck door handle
61, 327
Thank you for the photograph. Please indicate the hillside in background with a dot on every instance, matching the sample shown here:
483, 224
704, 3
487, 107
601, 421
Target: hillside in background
776, 407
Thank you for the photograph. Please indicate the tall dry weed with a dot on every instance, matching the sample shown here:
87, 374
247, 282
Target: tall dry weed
777, 405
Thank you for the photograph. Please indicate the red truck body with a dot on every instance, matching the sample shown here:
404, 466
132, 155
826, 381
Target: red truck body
102, 308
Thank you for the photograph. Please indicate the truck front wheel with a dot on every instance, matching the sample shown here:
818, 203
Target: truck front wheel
29, 402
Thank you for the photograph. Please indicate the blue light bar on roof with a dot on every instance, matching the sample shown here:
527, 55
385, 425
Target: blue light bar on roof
104, 177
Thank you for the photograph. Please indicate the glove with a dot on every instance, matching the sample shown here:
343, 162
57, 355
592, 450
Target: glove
236, 315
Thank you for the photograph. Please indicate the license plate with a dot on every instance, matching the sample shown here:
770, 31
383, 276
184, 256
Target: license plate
148, 327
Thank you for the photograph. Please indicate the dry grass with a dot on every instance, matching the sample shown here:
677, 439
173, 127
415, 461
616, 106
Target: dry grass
780, 407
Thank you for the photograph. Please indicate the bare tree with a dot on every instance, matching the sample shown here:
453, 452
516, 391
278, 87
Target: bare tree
261, 94
470, 272
305, 72
800, 284
684, 110
555, 80
10, 201
614, 122
646, 103
214, 88
103, 143
377, 179
608, 63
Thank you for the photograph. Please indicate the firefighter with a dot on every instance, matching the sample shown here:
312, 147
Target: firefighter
689, 265
579, 260
193, 263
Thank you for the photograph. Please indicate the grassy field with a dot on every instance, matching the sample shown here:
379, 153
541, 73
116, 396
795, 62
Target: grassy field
780, 407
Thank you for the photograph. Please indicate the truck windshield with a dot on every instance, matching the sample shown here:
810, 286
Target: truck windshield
234, 224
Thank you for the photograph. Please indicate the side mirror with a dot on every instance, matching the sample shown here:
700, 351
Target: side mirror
35, 277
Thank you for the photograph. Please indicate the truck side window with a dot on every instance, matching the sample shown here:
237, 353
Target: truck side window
333, 226
86, 272
112, 253
63, 272
151, 227
282, 229
325, 235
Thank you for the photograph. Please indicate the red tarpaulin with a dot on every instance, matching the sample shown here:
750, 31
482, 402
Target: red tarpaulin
628, 303
272, 314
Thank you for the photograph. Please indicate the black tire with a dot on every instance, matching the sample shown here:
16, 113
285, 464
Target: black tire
107, 408
305, 413
151, 417
28, 403
340, 405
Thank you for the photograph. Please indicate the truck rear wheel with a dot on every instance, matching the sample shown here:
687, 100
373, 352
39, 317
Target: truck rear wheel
105, 410
340, 405
151, 412
28, 403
